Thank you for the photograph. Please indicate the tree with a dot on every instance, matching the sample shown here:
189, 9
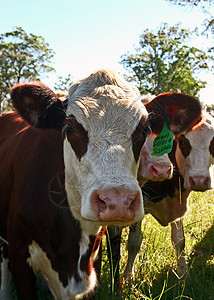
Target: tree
204, 6
63, 83
164, 63
22, 57
210, 109
203, 3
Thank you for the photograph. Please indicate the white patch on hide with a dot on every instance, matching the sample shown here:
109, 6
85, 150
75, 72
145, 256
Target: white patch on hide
199, 162
40, 263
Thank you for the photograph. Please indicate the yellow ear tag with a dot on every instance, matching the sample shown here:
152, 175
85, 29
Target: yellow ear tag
163, 142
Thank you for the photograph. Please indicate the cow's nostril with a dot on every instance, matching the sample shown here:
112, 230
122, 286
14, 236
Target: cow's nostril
191, 181
101, 204
134, 203
154, 171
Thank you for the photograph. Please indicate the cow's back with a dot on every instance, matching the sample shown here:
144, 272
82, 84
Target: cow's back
10, 124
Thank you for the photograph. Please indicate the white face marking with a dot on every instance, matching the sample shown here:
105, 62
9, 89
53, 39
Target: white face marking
199, 162
109, 113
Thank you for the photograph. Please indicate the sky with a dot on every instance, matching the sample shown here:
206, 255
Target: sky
87, 35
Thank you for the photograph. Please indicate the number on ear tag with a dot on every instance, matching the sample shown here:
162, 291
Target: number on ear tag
163, 142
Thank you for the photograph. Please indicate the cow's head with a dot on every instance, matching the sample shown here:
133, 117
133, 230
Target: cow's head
104, 127
195, 155
153, 168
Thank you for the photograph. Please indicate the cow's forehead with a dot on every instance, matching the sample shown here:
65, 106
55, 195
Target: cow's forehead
108, 106
202, 134
108, 113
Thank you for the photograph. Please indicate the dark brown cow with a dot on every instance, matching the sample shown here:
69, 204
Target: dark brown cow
58, 190
12, 123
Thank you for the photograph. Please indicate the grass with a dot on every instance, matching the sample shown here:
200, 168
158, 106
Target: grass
155, 267
155, 276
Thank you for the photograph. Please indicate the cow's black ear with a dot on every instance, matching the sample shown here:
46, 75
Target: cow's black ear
180, 111
38, 105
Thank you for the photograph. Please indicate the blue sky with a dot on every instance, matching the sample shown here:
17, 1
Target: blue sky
87, 35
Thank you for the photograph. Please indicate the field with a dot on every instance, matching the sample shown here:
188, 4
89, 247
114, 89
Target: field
155, 267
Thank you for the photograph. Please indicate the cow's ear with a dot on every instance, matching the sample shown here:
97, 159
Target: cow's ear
180, 111
38, 105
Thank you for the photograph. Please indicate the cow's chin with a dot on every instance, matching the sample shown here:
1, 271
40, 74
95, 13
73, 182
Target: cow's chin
116, 222
110, 222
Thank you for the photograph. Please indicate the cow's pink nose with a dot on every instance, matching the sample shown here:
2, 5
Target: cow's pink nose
160, 172
199, 183
115, 205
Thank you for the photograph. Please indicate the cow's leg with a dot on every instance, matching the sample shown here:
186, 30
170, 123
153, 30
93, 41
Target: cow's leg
23, 276
134, 243
113, 246
178, 242
5, 292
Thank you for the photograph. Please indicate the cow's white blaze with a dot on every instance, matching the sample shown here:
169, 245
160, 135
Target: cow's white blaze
109, 114
198, 163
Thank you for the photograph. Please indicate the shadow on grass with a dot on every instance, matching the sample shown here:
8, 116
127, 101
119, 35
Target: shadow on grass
199, 284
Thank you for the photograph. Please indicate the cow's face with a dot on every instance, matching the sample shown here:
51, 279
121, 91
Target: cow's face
153, 168
103, 138
195, 155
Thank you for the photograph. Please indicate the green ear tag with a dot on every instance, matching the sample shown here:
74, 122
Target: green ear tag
163, 142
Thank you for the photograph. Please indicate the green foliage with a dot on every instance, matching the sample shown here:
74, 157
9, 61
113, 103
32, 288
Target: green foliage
164, 63
210, 109
191, 2
63, 83
22, 57
203, 5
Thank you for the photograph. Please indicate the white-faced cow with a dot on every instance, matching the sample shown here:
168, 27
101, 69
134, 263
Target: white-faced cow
93, 144
193, 158
150, 168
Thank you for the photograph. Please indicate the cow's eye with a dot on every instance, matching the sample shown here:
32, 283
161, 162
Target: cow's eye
146, 130
69, 129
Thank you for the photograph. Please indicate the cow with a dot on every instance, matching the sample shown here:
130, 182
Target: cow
150, 168
167, 201
71, 172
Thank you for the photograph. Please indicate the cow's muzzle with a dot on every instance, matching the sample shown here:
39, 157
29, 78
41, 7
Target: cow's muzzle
199, 183
115, 205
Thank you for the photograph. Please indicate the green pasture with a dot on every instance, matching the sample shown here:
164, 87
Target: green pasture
155, 267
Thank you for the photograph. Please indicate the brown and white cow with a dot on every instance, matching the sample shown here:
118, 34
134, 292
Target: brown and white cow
92, 144
193, 159
150, 168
